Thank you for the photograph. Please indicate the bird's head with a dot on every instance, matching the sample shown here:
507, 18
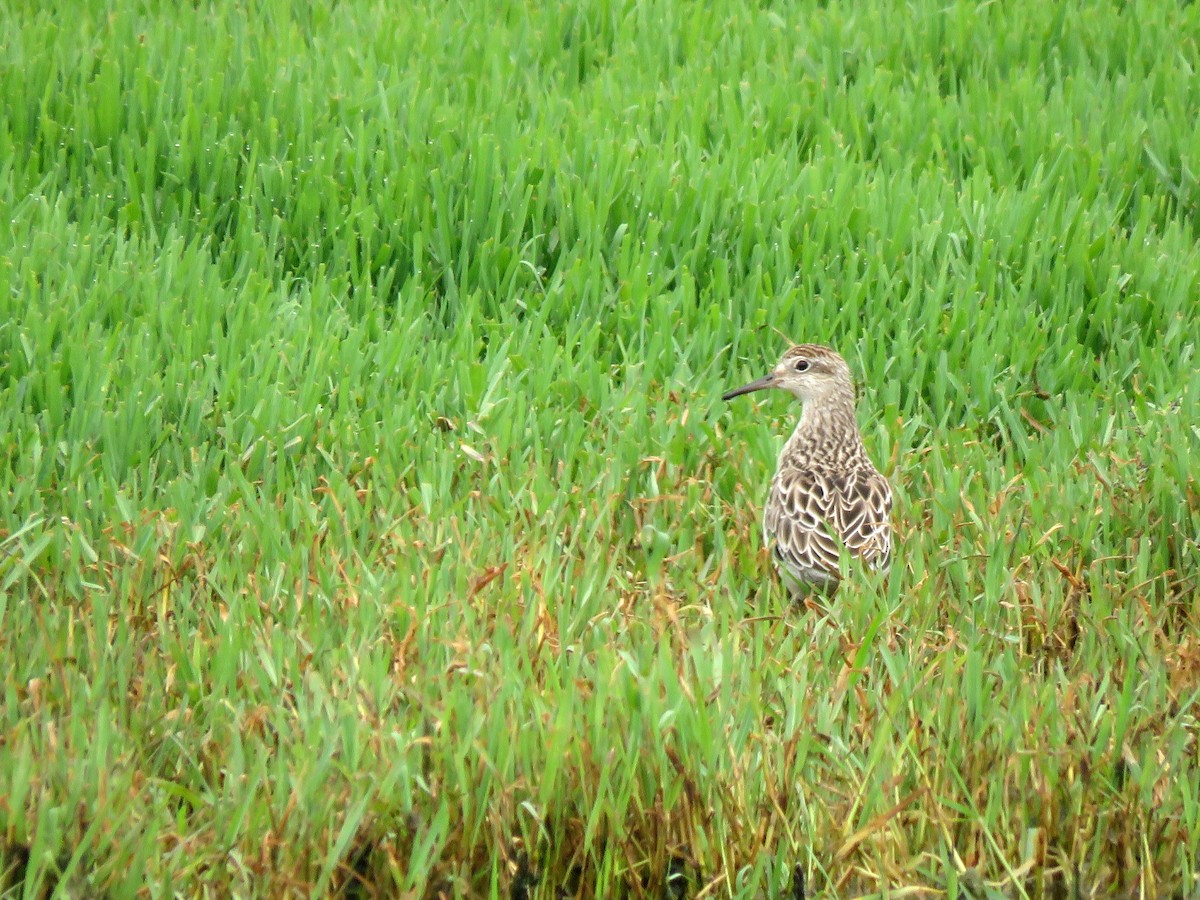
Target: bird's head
809, 372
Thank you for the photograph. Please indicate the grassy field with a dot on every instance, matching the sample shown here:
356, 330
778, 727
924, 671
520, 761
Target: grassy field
370, 522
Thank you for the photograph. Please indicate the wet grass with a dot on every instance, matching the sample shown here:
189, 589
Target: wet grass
370, 523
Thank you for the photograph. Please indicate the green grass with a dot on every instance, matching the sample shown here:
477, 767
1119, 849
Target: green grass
369, 520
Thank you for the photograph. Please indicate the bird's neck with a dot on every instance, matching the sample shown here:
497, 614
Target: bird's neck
827, 429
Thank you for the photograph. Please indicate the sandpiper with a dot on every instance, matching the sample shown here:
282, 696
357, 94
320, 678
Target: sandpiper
826, 494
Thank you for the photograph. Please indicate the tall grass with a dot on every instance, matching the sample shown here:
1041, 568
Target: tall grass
369, 521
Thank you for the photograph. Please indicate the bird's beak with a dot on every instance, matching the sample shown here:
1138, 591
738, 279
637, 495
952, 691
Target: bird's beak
767, 381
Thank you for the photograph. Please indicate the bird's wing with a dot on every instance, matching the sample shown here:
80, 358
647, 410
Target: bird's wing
809, 512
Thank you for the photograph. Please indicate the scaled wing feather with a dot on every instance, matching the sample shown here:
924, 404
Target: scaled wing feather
809, 512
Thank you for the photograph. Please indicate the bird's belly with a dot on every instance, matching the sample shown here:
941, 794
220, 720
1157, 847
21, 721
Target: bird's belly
797, 578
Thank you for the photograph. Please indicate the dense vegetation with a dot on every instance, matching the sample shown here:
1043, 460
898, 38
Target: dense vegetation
369, 520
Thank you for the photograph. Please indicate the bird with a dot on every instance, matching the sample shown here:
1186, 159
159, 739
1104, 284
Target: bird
826, 493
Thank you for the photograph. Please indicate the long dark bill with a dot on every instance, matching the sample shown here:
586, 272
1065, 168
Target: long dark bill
757, 385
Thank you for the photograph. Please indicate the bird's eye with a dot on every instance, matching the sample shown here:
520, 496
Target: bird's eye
801, 365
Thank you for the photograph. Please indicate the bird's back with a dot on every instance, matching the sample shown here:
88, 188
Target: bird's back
822, 501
